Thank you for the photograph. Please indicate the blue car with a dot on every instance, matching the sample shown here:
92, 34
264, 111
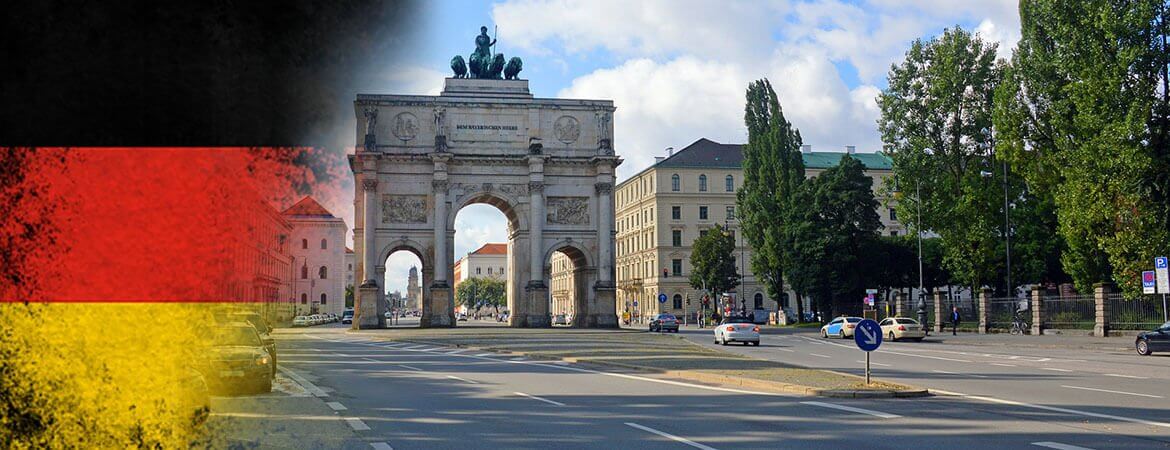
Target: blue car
841, 327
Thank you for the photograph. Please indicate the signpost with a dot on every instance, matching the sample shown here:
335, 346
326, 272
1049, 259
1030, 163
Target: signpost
661, 298
868, 337
1162, 273
1148, 280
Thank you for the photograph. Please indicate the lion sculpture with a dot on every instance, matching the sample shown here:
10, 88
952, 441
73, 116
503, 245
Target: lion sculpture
515, 65
459, 67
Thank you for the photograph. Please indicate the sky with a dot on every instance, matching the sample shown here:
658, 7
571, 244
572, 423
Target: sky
678, 70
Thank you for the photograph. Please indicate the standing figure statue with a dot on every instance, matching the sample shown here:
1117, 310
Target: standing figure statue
481, 59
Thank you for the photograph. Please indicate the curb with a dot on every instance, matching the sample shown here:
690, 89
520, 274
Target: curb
711, 377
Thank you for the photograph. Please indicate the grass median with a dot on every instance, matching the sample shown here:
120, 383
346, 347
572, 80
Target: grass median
634, 349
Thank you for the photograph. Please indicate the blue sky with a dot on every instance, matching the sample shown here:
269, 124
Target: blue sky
677, 69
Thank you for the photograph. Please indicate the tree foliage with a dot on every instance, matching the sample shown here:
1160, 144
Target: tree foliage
1084, 115
773, 171
713, 262
477, 292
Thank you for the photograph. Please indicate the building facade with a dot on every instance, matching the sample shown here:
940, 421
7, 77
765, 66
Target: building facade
662, 210
488, 261
561, 285
413, 291
318, 250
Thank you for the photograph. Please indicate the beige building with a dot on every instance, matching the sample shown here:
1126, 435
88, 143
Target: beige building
488, 261
663, 209
561, 285
318, 251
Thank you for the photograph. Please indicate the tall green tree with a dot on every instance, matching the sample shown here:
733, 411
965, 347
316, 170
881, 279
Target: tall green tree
936, 125
477, 292
1084, 115
773, 171
713, 262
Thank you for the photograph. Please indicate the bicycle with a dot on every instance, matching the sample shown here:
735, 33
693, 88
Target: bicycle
1019, 325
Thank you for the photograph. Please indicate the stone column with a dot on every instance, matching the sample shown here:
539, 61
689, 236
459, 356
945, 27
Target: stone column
440, 290
1037, 310
366, 312
603, 309
899, 304
1103, 308
938, 311
984, 301
536, 293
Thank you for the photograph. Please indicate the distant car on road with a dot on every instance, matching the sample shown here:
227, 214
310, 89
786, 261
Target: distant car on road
300, 321
664, 322
737, 329
897, 328
560, 319
841, 327
1157, 340
239, 360
347, 316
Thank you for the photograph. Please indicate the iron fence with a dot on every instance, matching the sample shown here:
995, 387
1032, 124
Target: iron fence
1001, 312
1143, 313
1072, 313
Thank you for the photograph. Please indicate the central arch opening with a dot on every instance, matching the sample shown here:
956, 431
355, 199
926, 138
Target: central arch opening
404, 282
570, 276
483, 273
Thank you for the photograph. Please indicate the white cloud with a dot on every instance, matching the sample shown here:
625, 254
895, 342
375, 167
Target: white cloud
398, 270
476, 225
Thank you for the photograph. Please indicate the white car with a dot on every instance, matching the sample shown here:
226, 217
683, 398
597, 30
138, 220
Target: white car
737, 329
896, 328
300, 321
841, 327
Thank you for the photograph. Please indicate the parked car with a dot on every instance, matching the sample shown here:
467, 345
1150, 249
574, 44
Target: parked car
1157, 340
347, 316
737, 329
263, 330
898, 328
300, 321
239, 360
841, 327
664, 322
560, 319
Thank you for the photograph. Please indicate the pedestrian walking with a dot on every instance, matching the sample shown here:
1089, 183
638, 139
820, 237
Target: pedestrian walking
955, 319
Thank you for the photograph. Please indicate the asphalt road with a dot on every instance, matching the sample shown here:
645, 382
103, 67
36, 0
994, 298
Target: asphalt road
371, 394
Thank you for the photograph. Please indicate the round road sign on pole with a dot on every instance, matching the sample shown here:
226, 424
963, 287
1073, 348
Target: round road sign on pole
661, 298
868, 335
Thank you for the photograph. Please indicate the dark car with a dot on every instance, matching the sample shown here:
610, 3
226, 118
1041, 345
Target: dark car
347, 316
263, 329
238, 360
1154, 341
664, 322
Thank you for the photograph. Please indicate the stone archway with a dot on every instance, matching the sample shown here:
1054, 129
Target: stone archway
547, 164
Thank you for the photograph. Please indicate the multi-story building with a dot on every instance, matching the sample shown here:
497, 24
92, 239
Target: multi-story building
488, 261
561, 285
662, 210
318, 249
413, 291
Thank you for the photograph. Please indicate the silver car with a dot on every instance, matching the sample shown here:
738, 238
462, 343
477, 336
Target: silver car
737, 329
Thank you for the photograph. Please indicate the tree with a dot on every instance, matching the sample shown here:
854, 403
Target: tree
773, 171
713, 262
479, 292
349, 296
1084, 115
940, 98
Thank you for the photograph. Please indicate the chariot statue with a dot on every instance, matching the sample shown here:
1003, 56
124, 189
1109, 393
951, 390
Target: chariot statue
482, 64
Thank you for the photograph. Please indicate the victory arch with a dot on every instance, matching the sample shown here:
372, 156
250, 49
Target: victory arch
546, 164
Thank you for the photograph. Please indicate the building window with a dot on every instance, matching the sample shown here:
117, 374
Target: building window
677, 301
305, 244
489, 270
894, 233
702, 183
729, 183
730, 213
676, 212
674, 183
304, 299
759, 300
676, 238
323, 272
322, 298
702, 213
351, 267
676, 267
324, 244
893, 214
478, 270
304, 272
702, 233
501, 271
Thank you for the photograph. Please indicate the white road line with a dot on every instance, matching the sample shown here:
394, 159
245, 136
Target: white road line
551, 402
930, 357
874, 363
309, 386
453, 377
356, 424
410, 367
1063, 410
1054, 369
852, 409
337, 406
786, 350
945, 372
381, 446
822, 356
1118, 375
519, 359
670, 436
1111, 392
456, 352
1059, 446
1003, 365
978, 376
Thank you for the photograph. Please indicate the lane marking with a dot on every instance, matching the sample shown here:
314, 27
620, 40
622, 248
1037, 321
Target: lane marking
381, 446
551, 402
852, 409
1003, 365
786, 350
453, 377
410, 367
945, 372
1126, 376
670, 436
520, 359
1054, 369
875, 363
1111, 392
337, 406
928, 356
356, 424
1061, 410
484, 354
1059, 446
456, 352
308, 385
978, 376
822, 356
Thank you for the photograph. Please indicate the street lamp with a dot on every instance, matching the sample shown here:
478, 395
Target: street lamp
1007, 229
918, 231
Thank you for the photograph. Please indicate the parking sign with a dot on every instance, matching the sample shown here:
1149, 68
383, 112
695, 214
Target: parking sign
1162, 274
1148, 282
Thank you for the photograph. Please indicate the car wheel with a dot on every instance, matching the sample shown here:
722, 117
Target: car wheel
265, 386
824, 335
841, 334
756, 343
892, 338
1143, 348
724, 341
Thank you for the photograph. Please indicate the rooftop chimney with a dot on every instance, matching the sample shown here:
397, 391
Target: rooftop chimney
806, 148
658, 159
850, 149
669, 151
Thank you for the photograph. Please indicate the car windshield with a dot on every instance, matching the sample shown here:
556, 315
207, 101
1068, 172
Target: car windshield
853, 319
665, 317
1165, 326
236, 336
347, 314
907, 321
736, 319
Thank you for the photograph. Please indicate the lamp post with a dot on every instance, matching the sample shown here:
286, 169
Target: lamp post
921, 310
1007, 229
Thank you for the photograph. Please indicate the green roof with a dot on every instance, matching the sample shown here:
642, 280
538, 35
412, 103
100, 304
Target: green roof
707, 153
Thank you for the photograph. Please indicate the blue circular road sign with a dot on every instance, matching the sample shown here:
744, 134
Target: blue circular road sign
661, 298
867, 335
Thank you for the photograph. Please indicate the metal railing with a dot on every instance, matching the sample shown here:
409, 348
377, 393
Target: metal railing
1001, 312
1143, 313
1072, 313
